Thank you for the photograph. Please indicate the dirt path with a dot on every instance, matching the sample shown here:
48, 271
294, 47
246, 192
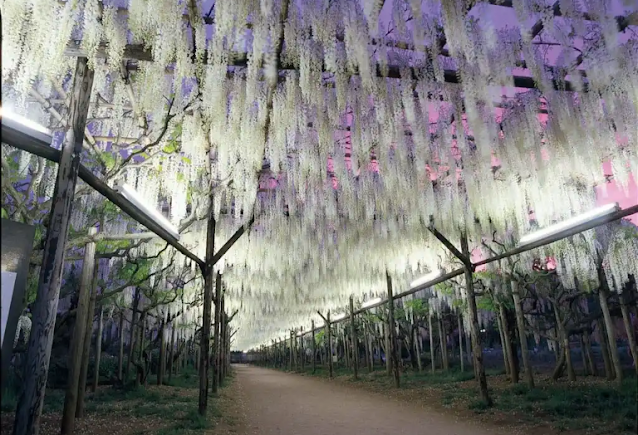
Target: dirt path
288, 404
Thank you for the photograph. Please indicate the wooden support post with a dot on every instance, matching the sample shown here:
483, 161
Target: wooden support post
98, 348
346, 350
443, 340
79, 410
77, 338
461, 357
162, 355
302, 353
314, 349
355, 342
131, 342
366, 339
474, 327
29, 409
291, 351
417, 344
217, 326
120, 355
603, 294
226, 348
220, 347
328, 328
392, 333
520, 325
204, 345
431, 334
171, 353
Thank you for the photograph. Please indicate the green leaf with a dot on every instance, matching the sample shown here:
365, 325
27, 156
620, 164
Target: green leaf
108, 159
5, 215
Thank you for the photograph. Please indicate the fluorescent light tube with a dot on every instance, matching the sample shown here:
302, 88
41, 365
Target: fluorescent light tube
371, 302
426, 278
8, 114
569, 223
24, 125
129, 193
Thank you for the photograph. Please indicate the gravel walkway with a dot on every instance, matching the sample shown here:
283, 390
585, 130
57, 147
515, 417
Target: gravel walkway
290, 404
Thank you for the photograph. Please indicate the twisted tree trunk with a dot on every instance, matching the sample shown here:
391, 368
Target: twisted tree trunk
631, 338
520, 324
604, 350
508, 349
611, 332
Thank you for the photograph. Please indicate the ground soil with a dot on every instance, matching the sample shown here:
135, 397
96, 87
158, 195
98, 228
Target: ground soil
289, 404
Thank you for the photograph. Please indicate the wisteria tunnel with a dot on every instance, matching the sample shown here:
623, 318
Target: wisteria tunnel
319, 217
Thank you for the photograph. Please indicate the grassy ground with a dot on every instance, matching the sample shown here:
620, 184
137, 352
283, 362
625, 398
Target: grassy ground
161, 410
589, 405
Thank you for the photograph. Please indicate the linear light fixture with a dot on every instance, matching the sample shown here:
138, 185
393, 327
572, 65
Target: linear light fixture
129, 193
371, 302
569, 223
339, 317
25, 125
425, 278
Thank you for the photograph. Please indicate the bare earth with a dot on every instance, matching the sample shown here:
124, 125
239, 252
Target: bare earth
289, 404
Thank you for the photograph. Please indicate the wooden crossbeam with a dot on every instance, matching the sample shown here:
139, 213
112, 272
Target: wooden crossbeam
138, 52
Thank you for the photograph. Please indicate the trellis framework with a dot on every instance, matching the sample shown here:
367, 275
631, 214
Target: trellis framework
346, 100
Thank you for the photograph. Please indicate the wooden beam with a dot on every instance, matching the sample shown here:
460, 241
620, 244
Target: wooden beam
219, 254
464, 259
139, 52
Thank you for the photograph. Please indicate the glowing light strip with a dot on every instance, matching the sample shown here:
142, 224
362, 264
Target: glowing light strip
425, 278
569, 223
339, 317
371, 302
8, 114
129, 193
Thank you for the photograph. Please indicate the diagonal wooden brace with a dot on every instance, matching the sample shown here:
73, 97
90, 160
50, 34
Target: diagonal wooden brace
464, 259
